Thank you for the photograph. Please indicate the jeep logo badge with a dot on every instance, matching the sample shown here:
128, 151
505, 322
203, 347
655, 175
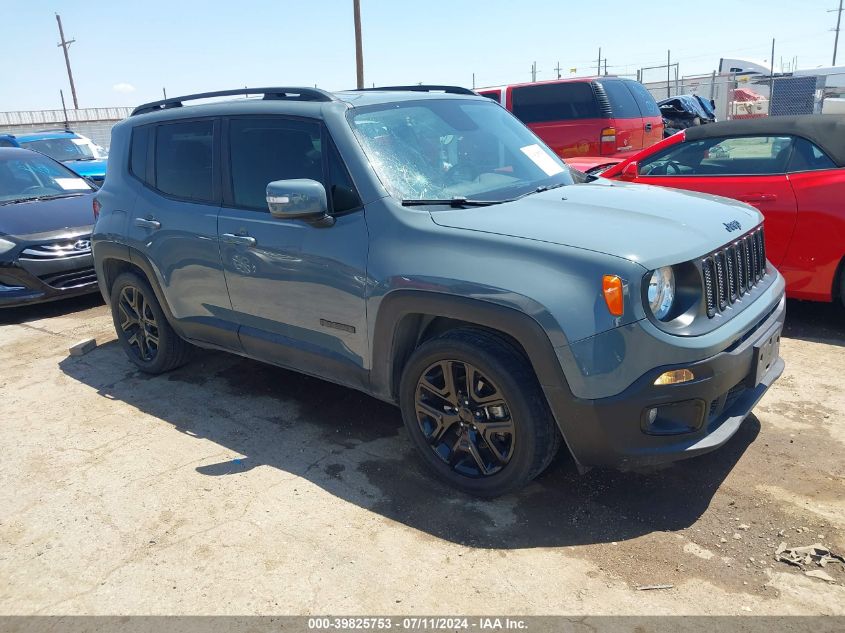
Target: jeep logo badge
732, 226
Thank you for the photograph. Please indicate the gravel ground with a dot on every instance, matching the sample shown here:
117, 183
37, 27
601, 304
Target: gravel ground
232, 487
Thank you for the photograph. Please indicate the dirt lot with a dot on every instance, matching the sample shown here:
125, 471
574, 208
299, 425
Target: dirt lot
234, 487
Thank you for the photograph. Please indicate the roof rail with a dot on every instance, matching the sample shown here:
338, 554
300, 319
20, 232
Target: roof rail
282, 93
455, 90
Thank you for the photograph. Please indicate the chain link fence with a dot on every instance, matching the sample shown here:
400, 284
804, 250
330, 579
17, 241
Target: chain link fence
749, 96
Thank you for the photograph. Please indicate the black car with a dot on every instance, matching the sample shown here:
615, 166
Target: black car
46, 217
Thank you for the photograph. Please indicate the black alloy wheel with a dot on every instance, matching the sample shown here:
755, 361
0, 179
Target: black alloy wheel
138, 322
465, 418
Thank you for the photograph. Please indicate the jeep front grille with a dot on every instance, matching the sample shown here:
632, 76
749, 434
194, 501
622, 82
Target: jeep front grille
733, 270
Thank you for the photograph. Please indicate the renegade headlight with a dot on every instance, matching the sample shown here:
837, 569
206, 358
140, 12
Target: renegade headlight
6, 246
661, 292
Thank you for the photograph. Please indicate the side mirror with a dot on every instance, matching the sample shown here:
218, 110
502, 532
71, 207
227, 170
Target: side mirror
301, 198
631, 171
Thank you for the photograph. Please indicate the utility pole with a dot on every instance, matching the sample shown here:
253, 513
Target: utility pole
65, 44
605, 66
838, 22
599, 71
473, 81
533, 72
557, 68
359, 49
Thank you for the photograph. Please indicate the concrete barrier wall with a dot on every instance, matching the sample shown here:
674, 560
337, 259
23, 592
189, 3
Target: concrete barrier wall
95, 123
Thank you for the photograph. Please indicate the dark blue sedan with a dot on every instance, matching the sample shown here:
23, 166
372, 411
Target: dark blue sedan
46, 217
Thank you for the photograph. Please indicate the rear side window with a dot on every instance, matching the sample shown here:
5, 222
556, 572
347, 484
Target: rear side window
138, 152
648, 106
183, 160
622, 102
263, 150
555, 102
806, 156
495, 95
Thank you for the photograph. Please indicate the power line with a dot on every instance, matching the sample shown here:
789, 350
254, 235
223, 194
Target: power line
65, 44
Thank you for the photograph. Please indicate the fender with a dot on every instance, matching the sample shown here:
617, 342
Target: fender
391, 331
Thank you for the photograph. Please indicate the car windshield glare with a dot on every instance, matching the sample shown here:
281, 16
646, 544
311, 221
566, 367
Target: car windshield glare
62, 148
37, 177
454, 148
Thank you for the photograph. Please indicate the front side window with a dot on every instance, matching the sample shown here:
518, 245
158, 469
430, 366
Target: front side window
264, 150
555, 102
442, 149
183, 160
747, 155
63, 149
37, 177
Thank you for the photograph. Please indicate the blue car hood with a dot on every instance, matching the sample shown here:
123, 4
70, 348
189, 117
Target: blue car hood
88, 168
31, 220
652, 226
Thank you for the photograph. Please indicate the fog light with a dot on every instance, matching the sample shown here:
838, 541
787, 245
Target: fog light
674, 377
652, 415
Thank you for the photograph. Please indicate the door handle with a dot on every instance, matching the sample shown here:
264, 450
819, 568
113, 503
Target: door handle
147, 224
758, 197
648, 127
241, 240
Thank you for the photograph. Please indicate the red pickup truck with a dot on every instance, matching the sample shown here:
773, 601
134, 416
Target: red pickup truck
592, 116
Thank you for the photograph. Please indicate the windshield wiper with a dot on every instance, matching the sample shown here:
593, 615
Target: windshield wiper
541, 189
37, 198
457, 202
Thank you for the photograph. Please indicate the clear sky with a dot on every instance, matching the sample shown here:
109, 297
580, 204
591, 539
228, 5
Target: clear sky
125, 52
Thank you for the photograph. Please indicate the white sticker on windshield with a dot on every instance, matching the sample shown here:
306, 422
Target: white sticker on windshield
540, 158
79, 141
69, 184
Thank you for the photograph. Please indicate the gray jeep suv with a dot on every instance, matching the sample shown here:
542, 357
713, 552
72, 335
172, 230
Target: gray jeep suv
425, 247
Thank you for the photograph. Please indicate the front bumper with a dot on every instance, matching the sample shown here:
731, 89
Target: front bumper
46, 281
701, 415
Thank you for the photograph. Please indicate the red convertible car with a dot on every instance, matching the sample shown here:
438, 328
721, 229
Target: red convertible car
792, 168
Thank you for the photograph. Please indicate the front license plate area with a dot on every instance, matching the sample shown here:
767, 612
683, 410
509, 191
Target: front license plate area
766, 352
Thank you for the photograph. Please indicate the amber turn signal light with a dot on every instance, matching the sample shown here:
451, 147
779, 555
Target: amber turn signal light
674, 377
612, 289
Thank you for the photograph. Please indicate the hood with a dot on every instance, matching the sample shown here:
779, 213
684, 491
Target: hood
88, 168
30, 220
649, 225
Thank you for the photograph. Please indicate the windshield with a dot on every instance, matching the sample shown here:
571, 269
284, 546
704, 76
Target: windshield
63, 148
32, 177
445, 149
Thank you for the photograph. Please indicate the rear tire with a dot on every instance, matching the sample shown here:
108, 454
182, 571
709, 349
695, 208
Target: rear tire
142, 328
476, 414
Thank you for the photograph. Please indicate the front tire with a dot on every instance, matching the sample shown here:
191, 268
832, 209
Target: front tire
142, 328
476, 414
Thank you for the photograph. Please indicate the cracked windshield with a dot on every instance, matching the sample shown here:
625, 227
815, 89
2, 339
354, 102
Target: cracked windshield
446, 149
